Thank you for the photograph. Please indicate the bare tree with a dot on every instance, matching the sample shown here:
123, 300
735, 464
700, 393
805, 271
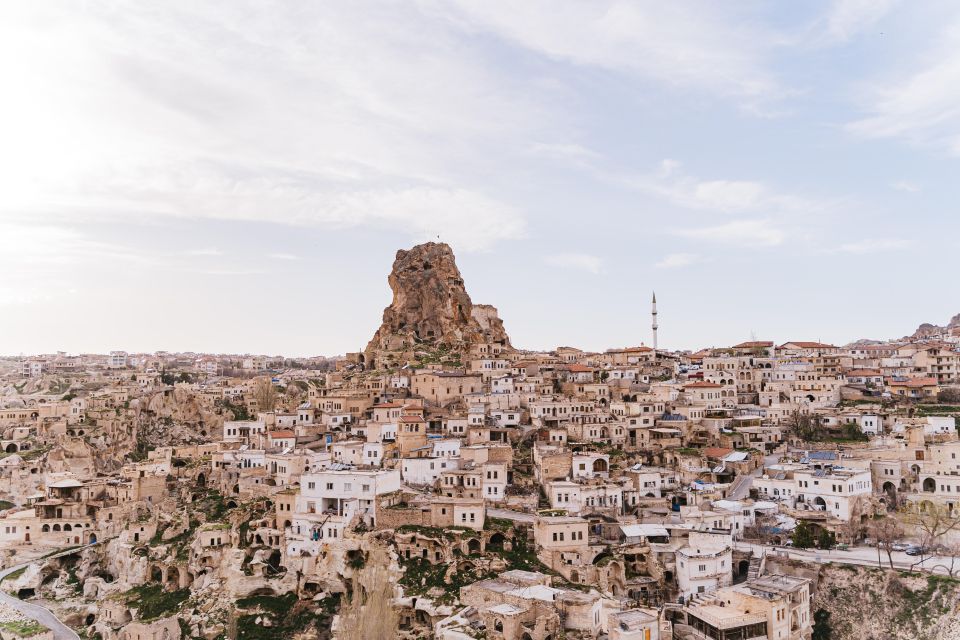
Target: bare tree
265, 394
931, 522
886, 531
369, 613
762, 529
805, 426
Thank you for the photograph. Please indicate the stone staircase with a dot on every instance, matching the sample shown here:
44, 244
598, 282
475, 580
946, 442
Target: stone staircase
753, 571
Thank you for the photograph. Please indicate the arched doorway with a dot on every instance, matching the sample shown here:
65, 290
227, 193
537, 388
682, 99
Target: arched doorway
473, 546
600, 466
11, 448
496, 542
929, 485
820, 503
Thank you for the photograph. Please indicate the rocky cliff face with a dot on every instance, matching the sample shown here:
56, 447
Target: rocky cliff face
927, 329
866, 603
431, 307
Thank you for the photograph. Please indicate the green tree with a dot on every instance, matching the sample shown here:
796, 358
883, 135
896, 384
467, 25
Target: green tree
821, 625
802, 535
826, 539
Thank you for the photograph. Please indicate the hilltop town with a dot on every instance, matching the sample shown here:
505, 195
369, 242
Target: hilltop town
442, 482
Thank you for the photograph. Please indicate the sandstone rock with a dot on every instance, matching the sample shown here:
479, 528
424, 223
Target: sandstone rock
928, 329
431, 307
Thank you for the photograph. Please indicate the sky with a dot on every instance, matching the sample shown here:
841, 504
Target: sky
237, 176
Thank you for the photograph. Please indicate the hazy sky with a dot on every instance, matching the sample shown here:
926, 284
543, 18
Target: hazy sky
234, 176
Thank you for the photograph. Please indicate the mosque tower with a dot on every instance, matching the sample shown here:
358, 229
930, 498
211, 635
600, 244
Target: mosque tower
653, 314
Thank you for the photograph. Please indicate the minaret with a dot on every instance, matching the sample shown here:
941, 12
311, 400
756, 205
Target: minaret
653, 314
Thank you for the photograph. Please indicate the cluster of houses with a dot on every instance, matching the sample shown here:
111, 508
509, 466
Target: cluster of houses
628, 476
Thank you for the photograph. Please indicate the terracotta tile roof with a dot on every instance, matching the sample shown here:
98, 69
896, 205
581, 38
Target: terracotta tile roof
282, 434
753, 344
717, 452
579, 368
914, 382
807, 345
702, 385
869, 373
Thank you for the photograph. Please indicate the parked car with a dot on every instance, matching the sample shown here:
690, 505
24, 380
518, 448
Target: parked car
914, 550
900, 546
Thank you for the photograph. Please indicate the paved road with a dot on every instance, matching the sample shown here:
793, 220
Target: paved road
866, 556
516, 516
35, 611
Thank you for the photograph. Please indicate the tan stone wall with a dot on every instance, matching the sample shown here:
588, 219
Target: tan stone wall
556, 466
391, 518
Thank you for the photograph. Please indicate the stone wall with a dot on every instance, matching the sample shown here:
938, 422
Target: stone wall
393, 517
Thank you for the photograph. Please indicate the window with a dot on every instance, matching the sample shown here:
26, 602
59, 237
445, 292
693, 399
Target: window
329, 486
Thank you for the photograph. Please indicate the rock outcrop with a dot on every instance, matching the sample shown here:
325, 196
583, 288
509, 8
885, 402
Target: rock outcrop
431, 308
927, 330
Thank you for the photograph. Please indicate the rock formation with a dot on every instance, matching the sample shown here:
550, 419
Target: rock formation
431, 308
927, 329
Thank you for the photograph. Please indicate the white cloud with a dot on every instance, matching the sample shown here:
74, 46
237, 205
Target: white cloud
847, 18
675, 260
568, 152
39, 261
921, 106
306, 117
580, 261
676, 44
283, 256
738, 232
208, 251
726, 196
874, 245
905, 185
729, 195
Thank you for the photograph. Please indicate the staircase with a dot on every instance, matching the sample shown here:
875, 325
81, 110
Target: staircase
753, 571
